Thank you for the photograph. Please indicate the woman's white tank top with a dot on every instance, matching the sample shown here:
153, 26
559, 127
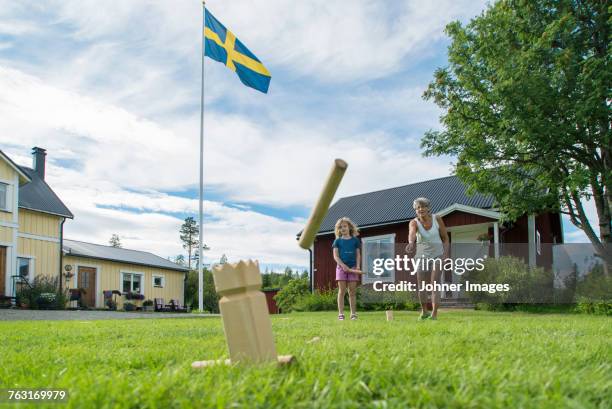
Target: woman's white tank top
429, 243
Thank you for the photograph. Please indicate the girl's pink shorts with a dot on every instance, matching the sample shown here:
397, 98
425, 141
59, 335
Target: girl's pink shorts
342, 275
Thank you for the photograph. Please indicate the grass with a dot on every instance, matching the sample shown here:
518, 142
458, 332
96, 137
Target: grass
467, 359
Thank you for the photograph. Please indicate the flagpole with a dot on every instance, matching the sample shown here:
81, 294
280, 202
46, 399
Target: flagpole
201, 200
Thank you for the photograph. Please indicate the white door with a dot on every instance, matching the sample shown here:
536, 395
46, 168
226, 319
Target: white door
465, 244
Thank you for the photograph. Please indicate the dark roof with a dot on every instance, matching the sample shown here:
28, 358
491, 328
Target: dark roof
37, 195
143, 258
395, 204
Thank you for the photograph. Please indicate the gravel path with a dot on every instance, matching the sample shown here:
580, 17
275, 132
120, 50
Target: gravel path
87, 315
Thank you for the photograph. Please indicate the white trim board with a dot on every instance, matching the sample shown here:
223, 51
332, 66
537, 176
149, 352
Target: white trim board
469, 209
469, 227
37, 237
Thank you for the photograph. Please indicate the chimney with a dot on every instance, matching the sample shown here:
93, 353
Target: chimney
38, 161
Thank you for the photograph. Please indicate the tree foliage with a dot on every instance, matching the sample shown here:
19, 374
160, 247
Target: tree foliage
189, 236
526, 108
115, 241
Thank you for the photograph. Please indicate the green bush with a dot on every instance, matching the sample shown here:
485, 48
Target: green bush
370, 300
210, 296
367, 300
527, 285
317, 301
594, 286
42, 293
588, 306
289, 294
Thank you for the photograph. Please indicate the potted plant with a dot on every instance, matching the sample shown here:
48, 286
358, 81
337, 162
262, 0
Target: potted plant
46, 301
128, 306
484, 238
148, 305
112, 305
23, 302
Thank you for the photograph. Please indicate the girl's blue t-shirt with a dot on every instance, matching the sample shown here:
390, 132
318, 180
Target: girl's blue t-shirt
347, 250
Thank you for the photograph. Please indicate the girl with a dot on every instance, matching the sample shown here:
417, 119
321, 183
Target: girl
347, 254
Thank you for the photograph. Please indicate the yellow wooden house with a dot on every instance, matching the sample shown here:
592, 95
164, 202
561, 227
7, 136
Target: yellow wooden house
32, 221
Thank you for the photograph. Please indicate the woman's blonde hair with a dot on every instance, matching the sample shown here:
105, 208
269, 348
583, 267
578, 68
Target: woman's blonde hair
353, 229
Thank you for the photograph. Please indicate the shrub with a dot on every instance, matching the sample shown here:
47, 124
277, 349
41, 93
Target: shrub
288, 295
370, 300
317, 301
367, 300
527, 285
147, 303
42, 293
588, 306
128, 306
210, 296
594, 286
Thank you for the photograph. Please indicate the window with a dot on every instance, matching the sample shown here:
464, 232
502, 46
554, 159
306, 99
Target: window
24, 267
131, 283
159, 281
4, 199
377, 247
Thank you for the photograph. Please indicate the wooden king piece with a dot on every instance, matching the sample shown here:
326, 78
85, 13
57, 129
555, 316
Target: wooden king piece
244, 310
322, 205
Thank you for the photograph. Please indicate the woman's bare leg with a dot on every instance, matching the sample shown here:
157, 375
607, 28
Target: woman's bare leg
341, 292
352, 290
436, 276
423, 278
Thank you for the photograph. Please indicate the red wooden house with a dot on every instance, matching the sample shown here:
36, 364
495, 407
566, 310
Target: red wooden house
383, 216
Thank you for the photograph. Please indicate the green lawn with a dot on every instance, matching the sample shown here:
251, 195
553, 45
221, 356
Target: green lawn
467, 359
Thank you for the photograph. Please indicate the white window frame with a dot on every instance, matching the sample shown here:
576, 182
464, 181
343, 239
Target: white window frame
142, 282
163, 281
8, 198
31, 266
365, 279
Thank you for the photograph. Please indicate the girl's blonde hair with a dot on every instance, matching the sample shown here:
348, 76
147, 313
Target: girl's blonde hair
353, 229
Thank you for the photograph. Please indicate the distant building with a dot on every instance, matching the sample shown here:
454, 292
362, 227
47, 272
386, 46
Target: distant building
32, 221
383, 217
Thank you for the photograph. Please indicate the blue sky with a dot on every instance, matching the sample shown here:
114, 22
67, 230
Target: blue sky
112, 90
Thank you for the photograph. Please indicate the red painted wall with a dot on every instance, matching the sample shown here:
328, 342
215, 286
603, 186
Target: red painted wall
325, 267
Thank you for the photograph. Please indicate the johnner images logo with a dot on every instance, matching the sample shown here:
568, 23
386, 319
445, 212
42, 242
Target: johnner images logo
458, 266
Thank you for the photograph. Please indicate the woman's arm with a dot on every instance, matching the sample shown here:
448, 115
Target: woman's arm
411, 247
339, 260
444, 236
358, 258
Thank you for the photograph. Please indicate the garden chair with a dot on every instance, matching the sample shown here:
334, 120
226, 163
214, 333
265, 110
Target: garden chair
177, 307
160, 305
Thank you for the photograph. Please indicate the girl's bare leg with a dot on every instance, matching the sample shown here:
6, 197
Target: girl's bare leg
352, 290
341, 292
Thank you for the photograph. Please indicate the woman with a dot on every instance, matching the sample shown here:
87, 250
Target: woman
427, 235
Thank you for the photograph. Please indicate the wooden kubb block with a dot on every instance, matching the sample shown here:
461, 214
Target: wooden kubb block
244, 310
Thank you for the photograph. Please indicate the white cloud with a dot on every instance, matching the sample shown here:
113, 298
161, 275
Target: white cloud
279, 164
120, 103
332, 40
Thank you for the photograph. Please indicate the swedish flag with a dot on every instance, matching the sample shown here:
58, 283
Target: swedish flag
221, 45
